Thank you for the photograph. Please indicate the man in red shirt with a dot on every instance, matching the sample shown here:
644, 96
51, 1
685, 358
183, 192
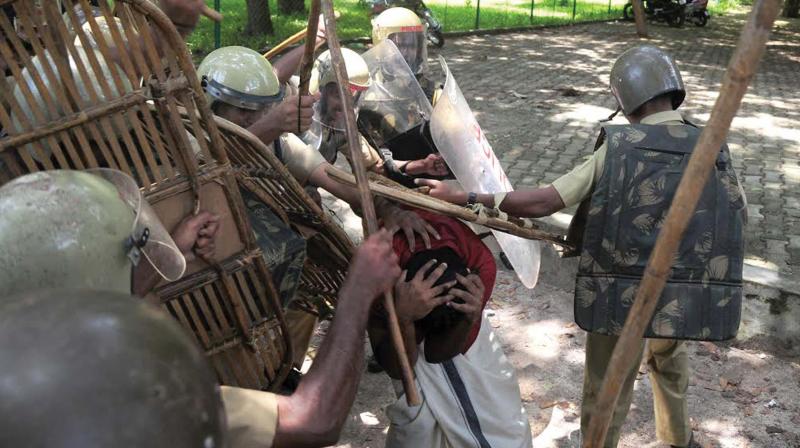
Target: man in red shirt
470, 393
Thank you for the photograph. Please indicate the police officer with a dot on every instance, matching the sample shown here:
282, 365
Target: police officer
403, 27
626, 189
328, 134
69, 242
243, 88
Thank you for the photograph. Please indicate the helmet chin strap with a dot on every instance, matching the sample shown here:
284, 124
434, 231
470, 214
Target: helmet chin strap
613, 114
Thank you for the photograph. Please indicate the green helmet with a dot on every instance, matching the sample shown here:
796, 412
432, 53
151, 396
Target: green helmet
76, 229
91, 369
240, 77
643, 73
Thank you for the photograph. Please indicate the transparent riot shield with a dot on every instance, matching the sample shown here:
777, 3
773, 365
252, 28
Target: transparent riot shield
395, 102
459, 139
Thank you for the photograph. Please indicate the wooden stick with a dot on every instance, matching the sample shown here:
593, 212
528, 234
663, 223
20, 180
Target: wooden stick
367, 206
402, 195
639, 17
291, 40
740, 71
211, 14
307, 62
311, 42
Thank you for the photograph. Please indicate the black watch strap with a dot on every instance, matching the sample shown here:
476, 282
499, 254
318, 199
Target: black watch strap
472, 198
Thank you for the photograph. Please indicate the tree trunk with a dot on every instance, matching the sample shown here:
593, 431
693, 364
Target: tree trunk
291, 6
791, 8
259, 20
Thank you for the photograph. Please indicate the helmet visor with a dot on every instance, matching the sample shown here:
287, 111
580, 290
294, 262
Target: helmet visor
413, 47
219, 92
148, 233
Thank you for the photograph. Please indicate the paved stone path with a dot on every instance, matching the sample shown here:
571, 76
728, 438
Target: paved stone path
519, 86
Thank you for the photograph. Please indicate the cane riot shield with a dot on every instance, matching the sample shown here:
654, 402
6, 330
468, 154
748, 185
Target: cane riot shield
394, 104
459, 139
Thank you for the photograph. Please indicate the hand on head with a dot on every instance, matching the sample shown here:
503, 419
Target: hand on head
410, 224
472, 296
417, 297
374, 267
196, 235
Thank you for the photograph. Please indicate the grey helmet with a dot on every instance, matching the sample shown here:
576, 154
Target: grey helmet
643, 73
91, 369
79, 229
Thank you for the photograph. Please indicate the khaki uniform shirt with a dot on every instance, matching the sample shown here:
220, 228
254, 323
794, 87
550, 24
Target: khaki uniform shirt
252, 417
300, 159
579, 183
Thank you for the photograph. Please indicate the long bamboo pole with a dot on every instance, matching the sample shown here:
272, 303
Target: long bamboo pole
311, 42
367, 206
291, 40
741, 69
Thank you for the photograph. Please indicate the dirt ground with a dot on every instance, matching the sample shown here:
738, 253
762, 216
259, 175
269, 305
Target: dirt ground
742, 394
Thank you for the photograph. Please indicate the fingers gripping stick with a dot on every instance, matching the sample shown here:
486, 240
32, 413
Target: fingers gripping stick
367, 206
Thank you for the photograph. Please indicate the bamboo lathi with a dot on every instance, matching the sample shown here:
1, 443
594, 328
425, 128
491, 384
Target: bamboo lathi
512, 225
308, 53
291, 40
367, 206
740, 72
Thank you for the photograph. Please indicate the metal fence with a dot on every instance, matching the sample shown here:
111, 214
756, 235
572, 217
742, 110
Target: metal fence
455, 15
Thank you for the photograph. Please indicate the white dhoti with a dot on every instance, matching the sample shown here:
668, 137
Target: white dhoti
472, 400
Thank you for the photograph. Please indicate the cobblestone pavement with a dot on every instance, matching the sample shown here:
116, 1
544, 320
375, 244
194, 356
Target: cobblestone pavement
538, 96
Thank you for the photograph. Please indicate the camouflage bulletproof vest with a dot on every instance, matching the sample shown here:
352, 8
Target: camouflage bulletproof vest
703, 297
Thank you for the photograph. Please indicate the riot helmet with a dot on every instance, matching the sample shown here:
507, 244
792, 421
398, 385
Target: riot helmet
98, 368
643, 73
79, 229
328, 112
403, 27
240, 77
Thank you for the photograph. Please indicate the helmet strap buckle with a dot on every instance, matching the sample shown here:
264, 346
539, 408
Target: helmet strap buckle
134, 246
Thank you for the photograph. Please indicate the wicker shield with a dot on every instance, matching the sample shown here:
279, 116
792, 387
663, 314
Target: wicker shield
120, 90
329, 249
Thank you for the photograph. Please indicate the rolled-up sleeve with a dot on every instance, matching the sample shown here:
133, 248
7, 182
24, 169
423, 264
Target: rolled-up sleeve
578, 184
252, 417
301, 160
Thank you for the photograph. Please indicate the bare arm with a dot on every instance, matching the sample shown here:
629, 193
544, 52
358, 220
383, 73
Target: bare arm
532, 203
314, 415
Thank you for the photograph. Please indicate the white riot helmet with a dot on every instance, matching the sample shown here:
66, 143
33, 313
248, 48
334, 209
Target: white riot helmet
404, 28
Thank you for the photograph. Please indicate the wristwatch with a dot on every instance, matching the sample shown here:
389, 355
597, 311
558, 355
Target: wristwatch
472, 198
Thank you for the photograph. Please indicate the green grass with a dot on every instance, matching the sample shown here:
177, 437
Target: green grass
455, 15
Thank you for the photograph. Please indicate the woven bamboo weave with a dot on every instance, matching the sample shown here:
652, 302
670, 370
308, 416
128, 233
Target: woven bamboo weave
109, 93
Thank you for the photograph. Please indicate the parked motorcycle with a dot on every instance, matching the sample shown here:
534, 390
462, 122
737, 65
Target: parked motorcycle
434, 31
697, 12
660, 11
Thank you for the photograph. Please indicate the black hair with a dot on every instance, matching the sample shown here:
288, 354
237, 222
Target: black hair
442, 316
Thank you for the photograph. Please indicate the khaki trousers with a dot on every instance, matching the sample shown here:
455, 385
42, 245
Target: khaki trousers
668, 362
